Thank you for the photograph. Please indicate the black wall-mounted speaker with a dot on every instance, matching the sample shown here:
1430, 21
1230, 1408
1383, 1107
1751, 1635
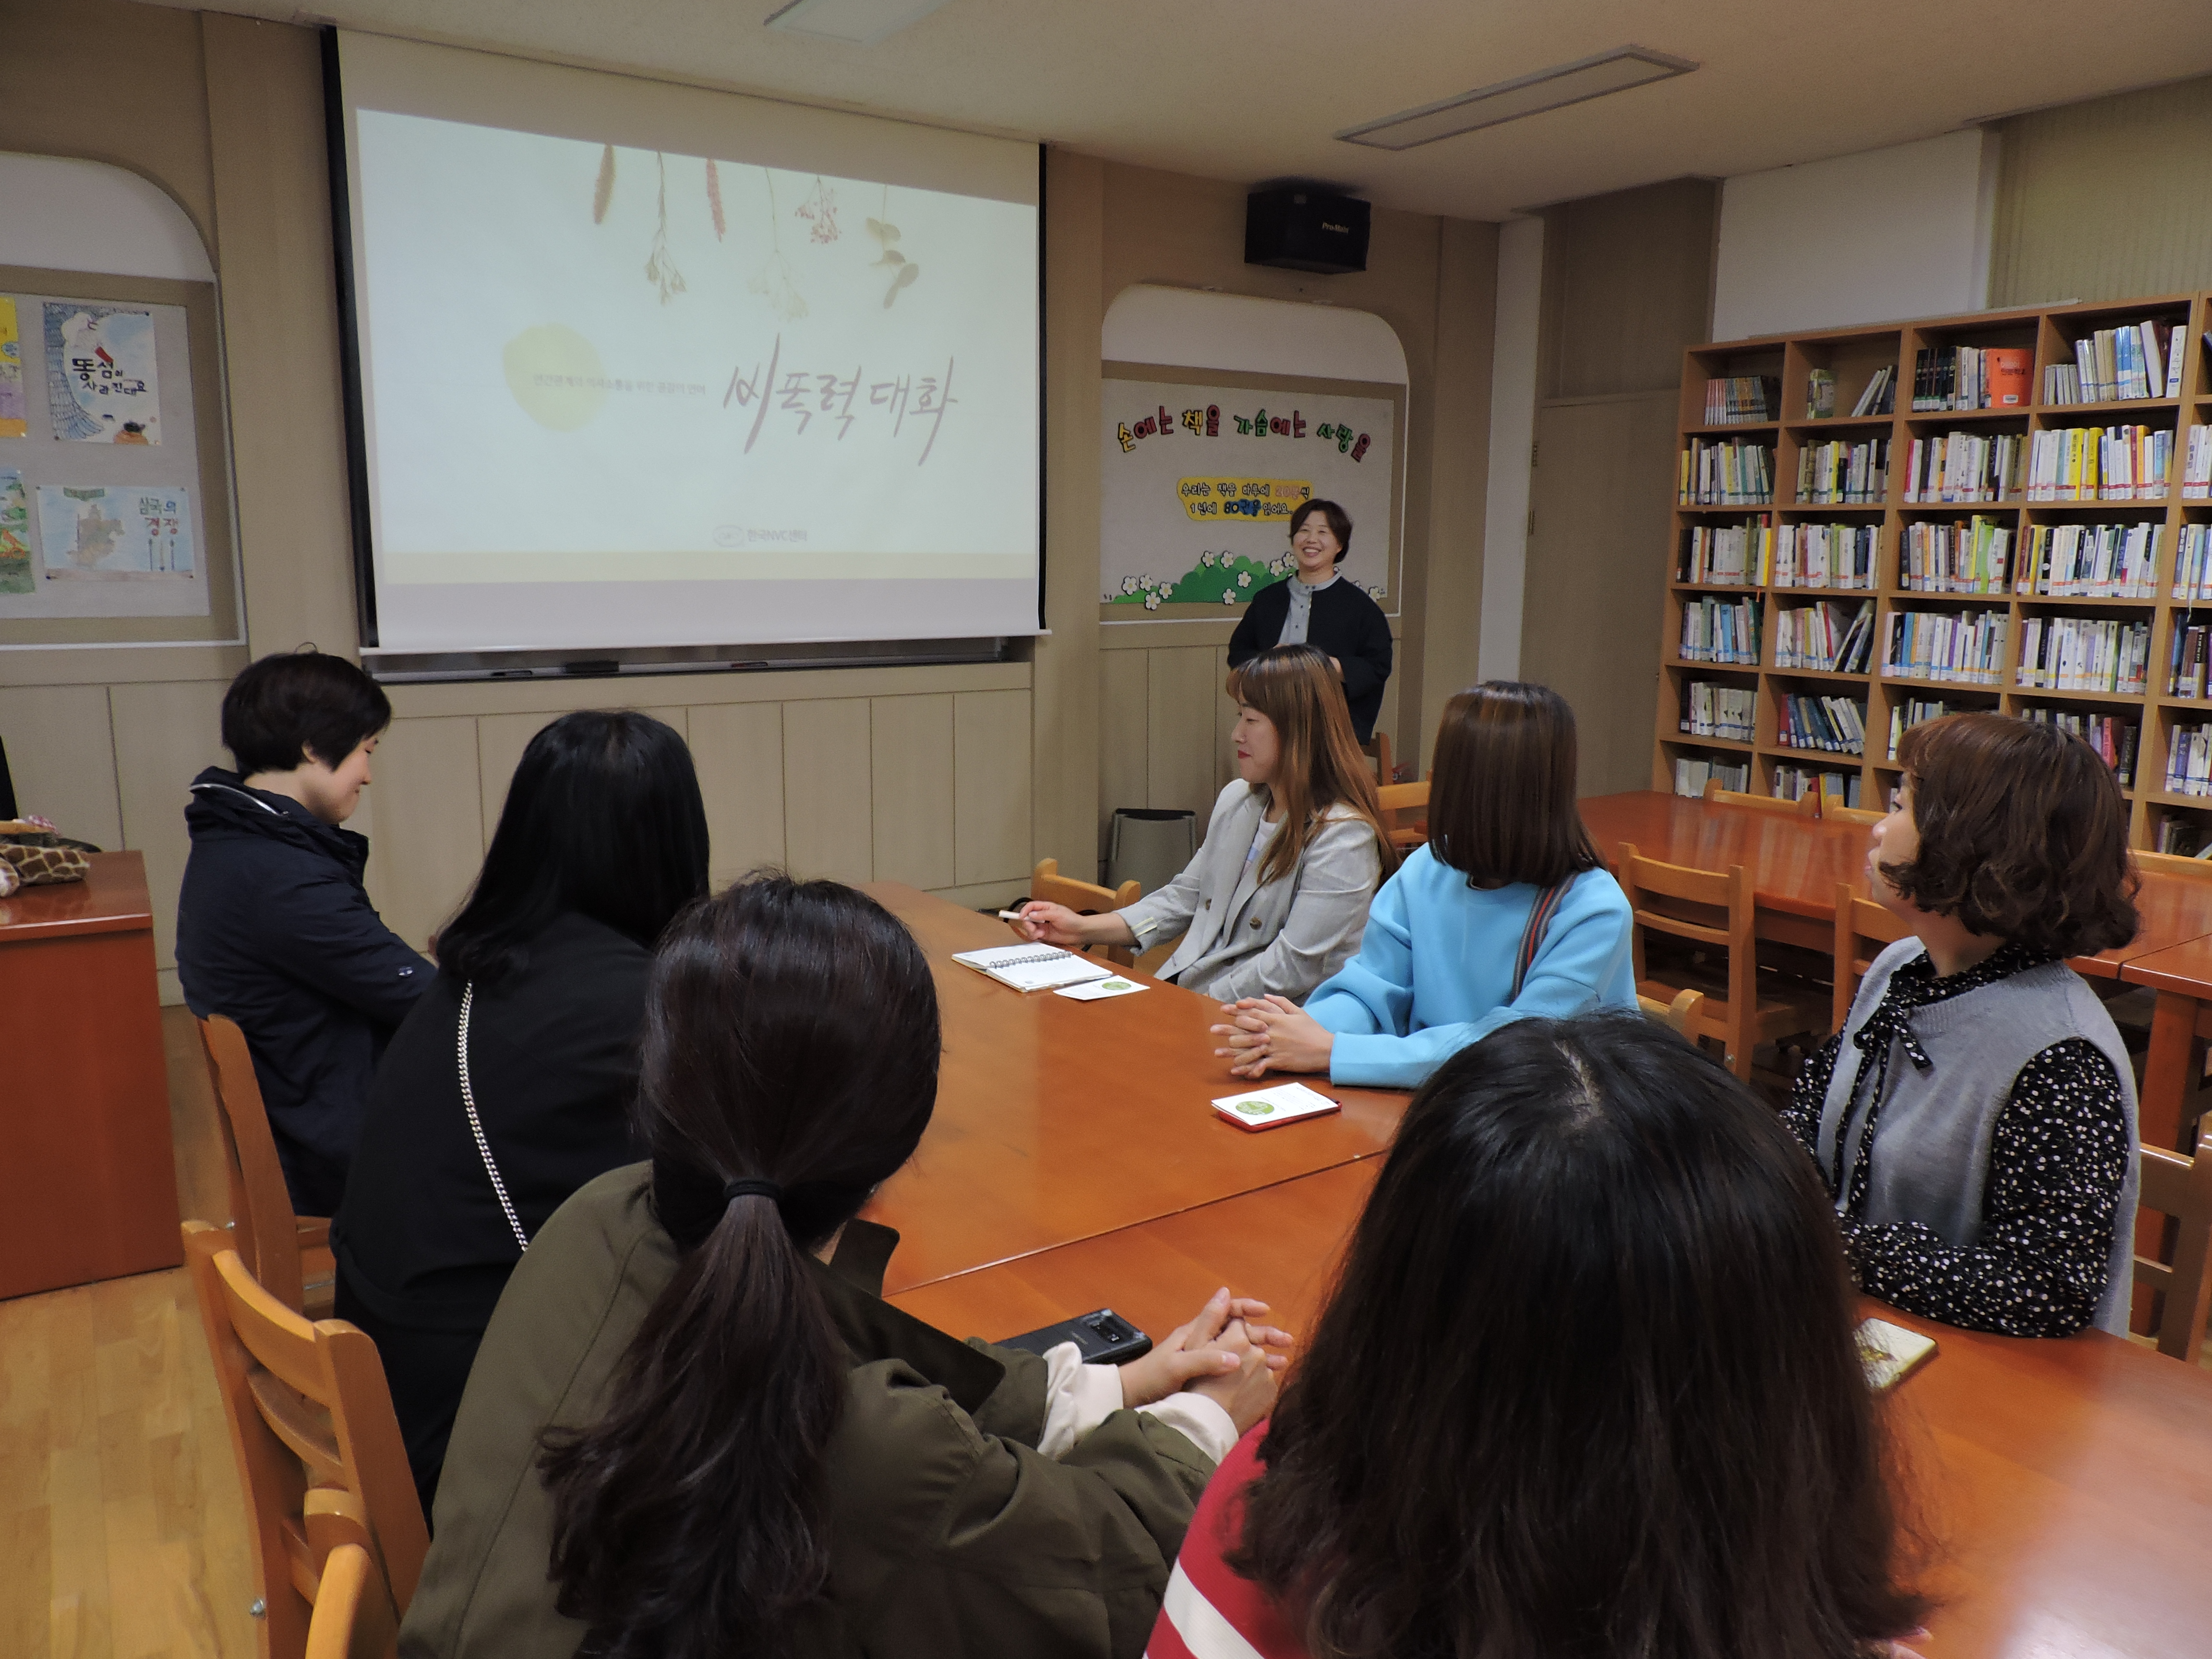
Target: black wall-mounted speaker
1301, 228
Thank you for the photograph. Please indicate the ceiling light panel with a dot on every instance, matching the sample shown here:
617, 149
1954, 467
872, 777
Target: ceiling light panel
859, 22
1527, 94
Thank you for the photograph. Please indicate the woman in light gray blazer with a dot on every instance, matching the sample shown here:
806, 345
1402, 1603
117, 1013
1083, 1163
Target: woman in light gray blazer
1277, 898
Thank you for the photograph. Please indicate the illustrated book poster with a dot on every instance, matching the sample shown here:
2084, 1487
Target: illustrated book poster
103, 385
12, 421
1199, 483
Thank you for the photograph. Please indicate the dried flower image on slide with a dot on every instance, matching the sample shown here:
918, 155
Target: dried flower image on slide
820, 212
905, 272
773, 281
659, 269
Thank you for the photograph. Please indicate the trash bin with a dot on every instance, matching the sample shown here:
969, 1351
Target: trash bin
1150, 844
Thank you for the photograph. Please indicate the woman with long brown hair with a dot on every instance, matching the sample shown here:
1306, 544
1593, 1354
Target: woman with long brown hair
1507, 912
1277, 898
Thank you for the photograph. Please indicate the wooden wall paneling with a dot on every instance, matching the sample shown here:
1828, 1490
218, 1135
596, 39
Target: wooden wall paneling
991, 776
739, 750
61, 755
911, 769
1224, 727
424, 820
1590, 627
828, 821
500, 739
1627, 283
164, 735
1184, 704
1124, 725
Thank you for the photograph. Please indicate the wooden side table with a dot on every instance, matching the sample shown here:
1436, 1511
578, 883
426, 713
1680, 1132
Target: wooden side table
88, 1174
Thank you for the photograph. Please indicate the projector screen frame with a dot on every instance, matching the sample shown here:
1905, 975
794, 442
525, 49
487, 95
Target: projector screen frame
520, 663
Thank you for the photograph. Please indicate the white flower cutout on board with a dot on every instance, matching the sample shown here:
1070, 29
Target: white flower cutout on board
1243, 580
1151, 601
1206, 559
1228, 596
1128, 584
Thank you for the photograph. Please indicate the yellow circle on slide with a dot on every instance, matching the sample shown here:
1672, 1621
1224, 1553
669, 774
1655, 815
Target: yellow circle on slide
556, 375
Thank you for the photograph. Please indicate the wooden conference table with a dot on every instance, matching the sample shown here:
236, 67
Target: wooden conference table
1074, 1162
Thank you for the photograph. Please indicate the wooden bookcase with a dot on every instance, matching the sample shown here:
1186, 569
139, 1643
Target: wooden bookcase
1853, 357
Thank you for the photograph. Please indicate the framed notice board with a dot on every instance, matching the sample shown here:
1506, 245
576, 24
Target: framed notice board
115, 506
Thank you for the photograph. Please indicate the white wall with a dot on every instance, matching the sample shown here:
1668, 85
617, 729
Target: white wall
1512, 431
1881, 235
60, 214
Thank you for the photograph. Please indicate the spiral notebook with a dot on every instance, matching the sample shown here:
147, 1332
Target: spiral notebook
1033, 966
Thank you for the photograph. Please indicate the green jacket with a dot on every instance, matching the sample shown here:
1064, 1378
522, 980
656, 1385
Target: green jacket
950, 1533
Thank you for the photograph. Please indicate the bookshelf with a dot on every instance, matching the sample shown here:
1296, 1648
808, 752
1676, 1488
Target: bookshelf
1810, 546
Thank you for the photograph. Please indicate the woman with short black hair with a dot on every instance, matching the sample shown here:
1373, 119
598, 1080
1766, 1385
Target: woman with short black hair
1975, 1119
274, 926
602, 840
1314, 605
1587, 1385
1507, 912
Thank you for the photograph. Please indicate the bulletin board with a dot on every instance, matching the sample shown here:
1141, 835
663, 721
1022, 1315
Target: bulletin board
115, 508
1201, 469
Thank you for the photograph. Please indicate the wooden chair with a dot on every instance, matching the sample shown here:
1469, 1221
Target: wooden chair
1837, 813
1716, 911
318, 1449
1085, 898
1806, 805
1377, 748
2174, 864
2180, 1187
1863, 928
1405, 814
353, 1617
288, 1255
1679, 1013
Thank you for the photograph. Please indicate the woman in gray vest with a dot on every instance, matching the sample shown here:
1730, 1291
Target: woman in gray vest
1975, 1120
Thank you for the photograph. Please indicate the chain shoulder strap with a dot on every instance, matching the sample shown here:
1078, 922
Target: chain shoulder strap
476, 1123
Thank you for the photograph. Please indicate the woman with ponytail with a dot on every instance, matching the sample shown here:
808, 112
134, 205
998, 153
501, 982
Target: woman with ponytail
694, 1429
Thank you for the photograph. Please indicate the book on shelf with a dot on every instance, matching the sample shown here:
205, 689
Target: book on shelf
2185, 666
1969, 377
2189, 761
1795, 782
1825, 555
2192, 562
1713, 710
2181, 837
2084, 653
1747, 398
1835, 724
2120, 364
1844, 470
1826, 638
2114, 737
1728, 554
1691, 776
1819, 394
2099, 463
1917, 711
1726, 472
1880, 393
2092, 561
1721, 631
1966, 466
2196, 464
1964, 648
1965, 556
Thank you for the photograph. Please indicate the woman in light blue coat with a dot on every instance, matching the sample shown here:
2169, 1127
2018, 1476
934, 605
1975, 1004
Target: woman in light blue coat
1506, 912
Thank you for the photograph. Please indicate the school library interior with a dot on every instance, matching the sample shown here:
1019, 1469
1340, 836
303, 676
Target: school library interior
919, 827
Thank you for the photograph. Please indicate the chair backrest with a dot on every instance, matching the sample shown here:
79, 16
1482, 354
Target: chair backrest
2174, 864
1703, 906
2180, 1187
1835, 812
1862, 929
1378, 748
353, 1617
1405, 813
1681, 1013
1806, 805
1087, 898
262, 1225
318, 1449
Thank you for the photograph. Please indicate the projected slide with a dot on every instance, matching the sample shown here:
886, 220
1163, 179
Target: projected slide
588, 363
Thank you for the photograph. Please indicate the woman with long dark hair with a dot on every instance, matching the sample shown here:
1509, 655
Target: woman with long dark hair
695, 1430
1276, 898
471, 1142
1587, 1386
1506, 912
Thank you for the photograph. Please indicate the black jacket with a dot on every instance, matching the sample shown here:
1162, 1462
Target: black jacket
553, 1059
274, 930
1346, 625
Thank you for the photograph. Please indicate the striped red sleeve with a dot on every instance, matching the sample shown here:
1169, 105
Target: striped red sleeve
1209, 1612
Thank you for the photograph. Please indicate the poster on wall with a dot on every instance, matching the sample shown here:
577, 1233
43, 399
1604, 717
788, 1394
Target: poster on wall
102, 383
1198, 481
98, 533
13, 423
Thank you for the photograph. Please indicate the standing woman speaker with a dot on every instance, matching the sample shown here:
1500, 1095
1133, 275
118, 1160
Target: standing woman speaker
1316, 606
